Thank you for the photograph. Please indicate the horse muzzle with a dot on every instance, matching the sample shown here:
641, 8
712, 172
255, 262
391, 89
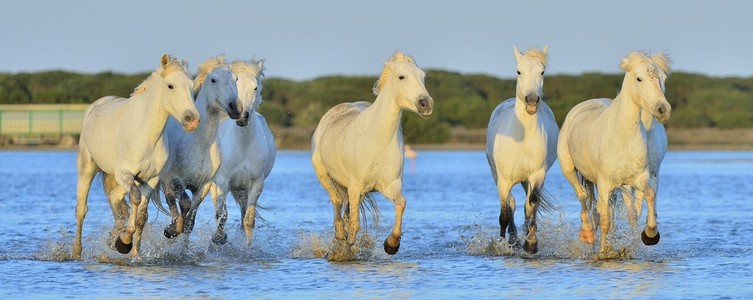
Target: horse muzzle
242, 121
190, 122
425, 106
662, 112
532, 103
232, 110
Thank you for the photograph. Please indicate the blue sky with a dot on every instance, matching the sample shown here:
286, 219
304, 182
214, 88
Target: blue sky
303, 39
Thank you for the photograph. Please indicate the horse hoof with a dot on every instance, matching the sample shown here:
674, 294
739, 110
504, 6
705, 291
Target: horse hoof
587, 236
649, 241
170, 232
219, 240
531, 248
123, 248
389, 249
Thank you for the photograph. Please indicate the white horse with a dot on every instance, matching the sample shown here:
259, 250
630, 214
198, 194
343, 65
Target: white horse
122, 138
605, 143
248, 153
521, 146
195, 158
357, 147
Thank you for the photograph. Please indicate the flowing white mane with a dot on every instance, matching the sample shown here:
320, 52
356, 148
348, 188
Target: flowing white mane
537, 54
659, 60
387, 71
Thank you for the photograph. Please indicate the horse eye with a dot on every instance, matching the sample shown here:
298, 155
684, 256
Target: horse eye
401, 77
170, 86
518, 72
639, 79
214, 80
256, 88
542, 72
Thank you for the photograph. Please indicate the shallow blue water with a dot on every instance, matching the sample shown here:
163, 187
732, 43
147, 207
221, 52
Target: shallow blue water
705, 214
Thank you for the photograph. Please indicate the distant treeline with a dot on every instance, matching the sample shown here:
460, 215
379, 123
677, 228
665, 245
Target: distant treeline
460, 100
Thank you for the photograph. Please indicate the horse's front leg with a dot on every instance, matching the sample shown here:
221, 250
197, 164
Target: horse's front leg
119, 208
173, 190
249, 217
394, 192
507, 211
198, 197
220, 216
650, 235
534, 196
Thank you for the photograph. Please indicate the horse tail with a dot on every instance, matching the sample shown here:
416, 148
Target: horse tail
157, 200
546, 202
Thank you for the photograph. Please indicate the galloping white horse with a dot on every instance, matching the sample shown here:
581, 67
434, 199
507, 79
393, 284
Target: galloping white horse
122, 138
521, 145
357, 147
605, 143
195, 158
248, 153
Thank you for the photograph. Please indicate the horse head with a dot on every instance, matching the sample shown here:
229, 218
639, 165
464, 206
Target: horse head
177, 86
529, 88
405, 80
219, 86
250, 83
644, 80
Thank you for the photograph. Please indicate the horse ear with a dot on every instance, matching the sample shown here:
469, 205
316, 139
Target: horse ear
517, 53
546, 47
165, 60
625, 64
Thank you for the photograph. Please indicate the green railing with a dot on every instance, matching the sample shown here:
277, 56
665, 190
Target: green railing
46, 119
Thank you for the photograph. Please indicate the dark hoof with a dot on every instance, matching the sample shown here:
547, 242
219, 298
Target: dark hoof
531, 248
649, 241
123, 248
219, 240
389, 249
170, 232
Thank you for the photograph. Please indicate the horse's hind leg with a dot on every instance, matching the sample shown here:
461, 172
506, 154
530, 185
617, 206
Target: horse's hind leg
507, 212
220, 216
333, 189
587, 233
605, 218
124, 243
142, 216
86, 171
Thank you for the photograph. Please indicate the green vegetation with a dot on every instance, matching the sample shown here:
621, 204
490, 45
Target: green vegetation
461, 100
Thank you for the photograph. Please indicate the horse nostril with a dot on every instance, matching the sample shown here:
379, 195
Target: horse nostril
188, 119
422, 102
661, 110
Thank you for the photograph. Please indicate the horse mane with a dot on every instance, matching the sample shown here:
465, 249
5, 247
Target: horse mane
204, 69
386, 71
658, 60
173, 65
255, 67
537, 54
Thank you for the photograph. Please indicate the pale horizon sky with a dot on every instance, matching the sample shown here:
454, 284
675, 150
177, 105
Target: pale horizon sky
303, 39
